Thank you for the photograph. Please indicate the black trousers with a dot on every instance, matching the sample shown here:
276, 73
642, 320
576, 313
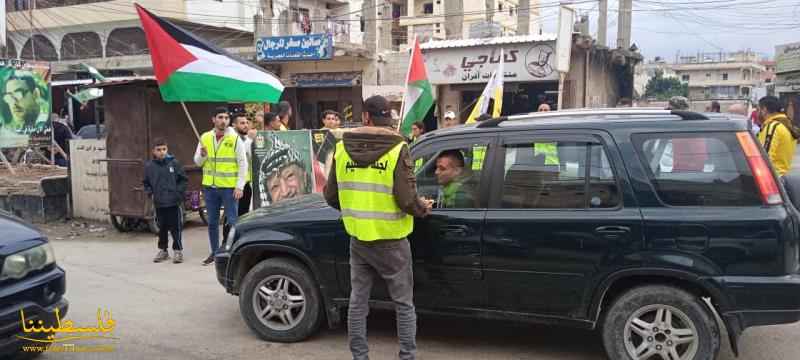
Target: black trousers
170, 221
244, 207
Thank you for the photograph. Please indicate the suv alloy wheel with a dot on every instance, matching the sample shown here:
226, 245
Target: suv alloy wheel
660, 322
280, 300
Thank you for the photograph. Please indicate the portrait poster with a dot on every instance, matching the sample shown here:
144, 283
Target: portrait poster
282, 166
25, 107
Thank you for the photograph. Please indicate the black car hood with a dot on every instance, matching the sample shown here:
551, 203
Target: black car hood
305, 208
15, 232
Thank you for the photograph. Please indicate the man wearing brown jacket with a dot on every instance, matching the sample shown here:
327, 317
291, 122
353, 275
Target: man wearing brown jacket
370, 163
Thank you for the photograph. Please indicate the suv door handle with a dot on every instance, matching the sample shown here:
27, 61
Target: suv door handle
613, 233
457, 230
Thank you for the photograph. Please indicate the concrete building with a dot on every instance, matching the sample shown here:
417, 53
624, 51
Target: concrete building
787, 81
108, 36
462, 19
720, 76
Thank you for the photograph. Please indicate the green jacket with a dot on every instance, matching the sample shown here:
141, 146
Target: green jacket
457, 195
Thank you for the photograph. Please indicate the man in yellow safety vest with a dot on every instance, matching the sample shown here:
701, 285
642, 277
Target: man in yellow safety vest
222, 155
372, 183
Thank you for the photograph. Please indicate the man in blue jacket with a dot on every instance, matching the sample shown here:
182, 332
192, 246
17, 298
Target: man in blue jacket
165, 181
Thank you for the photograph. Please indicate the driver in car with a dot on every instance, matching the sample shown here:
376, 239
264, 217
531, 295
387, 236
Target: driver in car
454, 178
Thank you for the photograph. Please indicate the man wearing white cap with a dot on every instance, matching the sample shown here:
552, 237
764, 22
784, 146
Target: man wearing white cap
450, 120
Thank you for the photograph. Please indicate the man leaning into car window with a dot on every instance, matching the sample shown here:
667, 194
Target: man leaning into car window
372, 183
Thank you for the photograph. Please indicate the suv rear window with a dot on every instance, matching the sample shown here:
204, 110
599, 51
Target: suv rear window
698, 169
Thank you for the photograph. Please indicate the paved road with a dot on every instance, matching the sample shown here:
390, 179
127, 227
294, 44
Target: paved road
168, 311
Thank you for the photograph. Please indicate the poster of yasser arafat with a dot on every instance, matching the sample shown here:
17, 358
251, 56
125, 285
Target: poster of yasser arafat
282, 166
25, 107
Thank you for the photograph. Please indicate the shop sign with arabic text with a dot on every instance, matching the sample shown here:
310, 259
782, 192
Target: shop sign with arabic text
297, 47
523, 62
787, 58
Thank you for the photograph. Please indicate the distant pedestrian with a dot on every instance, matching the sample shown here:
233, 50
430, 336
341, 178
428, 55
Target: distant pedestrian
285, 114
331, 120
373, 185
778, 135
678, 103
62, 134
272, 122
417, 129
165, 181
450, 120
242, 126
222, 155
740, 109
258, 121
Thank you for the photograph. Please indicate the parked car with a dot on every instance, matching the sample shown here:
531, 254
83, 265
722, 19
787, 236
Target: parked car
30, 282
582, 218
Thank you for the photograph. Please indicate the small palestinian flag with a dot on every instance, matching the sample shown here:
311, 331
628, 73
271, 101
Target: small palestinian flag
418, 98
188, 68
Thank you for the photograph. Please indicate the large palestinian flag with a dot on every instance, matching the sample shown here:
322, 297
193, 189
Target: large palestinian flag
190, 69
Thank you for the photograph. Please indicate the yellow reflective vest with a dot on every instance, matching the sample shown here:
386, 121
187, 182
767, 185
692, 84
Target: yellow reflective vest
549, 150
478, 154
220, 168
366, 199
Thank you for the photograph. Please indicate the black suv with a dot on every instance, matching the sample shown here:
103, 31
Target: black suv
642, 223
30, 283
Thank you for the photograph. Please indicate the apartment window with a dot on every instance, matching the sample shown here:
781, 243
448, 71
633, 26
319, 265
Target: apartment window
685, 77
427, 8
708, 75
724, 76
500, 6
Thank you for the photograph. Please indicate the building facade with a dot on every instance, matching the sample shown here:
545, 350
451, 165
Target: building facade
721, 76
459, 19
787, 81
108, 35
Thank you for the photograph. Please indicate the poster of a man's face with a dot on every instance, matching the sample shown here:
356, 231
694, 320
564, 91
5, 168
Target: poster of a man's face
283, 160
25, 105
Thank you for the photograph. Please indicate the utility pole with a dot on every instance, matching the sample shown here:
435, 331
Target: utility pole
524, 17
31, 7
624, 24
602, 23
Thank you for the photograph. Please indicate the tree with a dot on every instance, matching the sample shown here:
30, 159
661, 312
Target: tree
662, 88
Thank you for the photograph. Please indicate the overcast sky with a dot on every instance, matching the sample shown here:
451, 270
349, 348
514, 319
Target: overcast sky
664, 27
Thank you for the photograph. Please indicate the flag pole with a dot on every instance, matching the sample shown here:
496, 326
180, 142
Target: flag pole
191, 122
408, 74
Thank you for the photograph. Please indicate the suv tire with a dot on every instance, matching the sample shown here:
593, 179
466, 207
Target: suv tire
687, 327
280, 301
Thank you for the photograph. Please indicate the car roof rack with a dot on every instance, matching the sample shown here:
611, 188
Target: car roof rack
683, 114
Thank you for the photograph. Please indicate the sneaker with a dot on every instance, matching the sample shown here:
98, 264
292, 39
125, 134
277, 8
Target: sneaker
178, 257
161, 256
209, 260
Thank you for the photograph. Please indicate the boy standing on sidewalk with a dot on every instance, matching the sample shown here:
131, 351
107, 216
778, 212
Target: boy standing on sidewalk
165, 181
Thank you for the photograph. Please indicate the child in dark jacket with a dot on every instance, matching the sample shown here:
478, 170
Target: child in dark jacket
165, 181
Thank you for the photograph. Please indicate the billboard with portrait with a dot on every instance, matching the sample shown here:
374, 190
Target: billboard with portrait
282, 166
287, 164
25, 107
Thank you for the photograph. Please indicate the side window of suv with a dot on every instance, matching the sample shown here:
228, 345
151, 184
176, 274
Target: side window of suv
557, 175
707, 169
451, 177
